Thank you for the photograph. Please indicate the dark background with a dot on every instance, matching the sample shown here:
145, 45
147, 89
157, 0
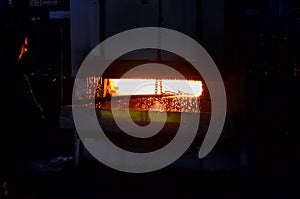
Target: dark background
254, 43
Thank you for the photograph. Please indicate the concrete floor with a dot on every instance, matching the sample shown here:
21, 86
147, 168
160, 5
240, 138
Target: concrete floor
43, 166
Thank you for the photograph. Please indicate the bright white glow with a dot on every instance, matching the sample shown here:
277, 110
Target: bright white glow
150, 86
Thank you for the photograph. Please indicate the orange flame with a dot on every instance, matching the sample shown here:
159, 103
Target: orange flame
23, 48
192, 88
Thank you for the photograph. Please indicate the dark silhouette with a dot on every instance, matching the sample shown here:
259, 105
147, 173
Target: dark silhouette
21, 112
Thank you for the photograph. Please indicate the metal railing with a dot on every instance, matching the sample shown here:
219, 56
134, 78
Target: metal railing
33, 3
